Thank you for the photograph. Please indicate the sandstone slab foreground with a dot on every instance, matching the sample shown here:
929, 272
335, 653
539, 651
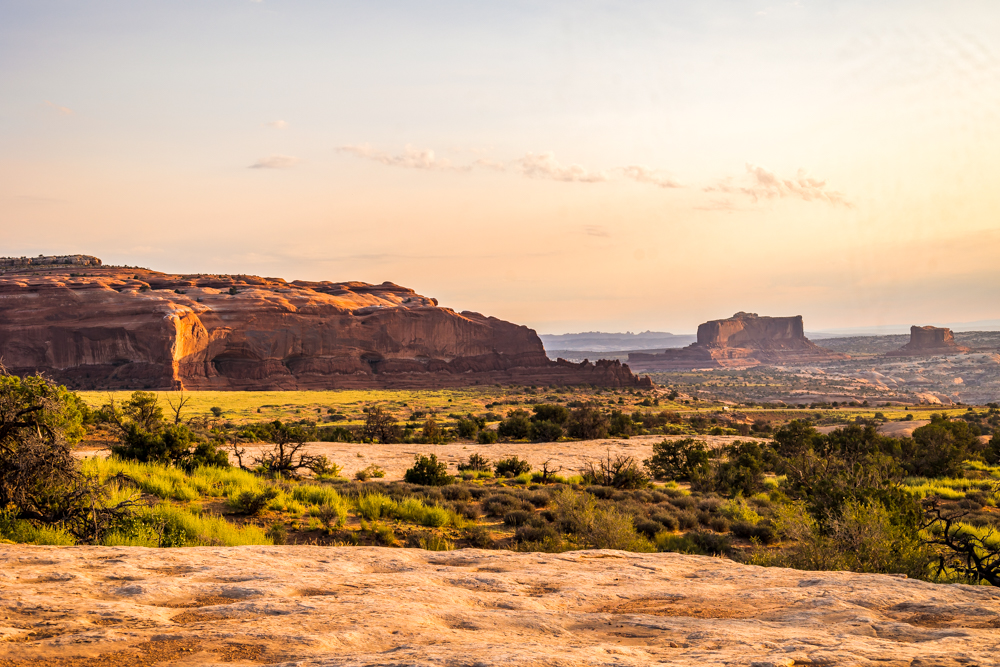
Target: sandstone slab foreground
312, 606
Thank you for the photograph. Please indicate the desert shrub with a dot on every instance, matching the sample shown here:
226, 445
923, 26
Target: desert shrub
331, 516
467, 428
371, 471
429, 471
382, 533
683, 502
939, 448
742, 472
517, 426
680, 460
517, 518
667, 520
456, 492
991, 453
500, 504
278, 534
511, 466
601, 527
620, 472
557, 414
739, 510
545, 431
41, 484
863, 537
373, 506
435, 542
648, 527
687, 520
479, 537
587, 423
538, 498
487, 437
252, 502
710, 543
620, 424
719, 524
476, 463
763, 532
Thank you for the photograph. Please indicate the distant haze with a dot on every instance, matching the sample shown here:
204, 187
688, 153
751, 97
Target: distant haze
608, 342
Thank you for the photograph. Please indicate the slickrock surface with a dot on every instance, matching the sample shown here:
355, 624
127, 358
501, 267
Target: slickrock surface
929, 341
741, 341
97, 327
312, 606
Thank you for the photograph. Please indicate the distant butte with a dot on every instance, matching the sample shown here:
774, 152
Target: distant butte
92, 326
928, 341
741, 341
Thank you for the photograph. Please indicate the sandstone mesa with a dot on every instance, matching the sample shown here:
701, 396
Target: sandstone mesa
95, 327
741, 341
927, 341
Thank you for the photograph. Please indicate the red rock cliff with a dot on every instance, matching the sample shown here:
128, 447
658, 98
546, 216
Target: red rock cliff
108, 327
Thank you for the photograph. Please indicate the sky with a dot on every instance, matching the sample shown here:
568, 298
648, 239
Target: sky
571, 166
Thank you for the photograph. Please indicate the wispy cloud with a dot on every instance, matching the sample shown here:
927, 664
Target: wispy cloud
64, 111
762, 183
275, 162
545, 165
411, 158
757, 182
596, 230
277, 124
652, 176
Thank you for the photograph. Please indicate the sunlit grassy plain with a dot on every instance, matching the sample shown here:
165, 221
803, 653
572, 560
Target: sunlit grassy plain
251, 406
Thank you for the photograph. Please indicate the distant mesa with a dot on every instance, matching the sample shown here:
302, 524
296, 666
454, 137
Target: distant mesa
929, 341
50, 260
741, 341
127, 328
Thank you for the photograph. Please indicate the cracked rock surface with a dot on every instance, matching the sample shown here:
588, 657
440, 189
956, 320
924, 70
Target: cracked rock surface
312, 606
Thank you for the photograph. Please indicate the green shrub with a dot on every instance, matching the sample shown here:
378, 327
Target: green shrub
435, 542
476, 463
681, 460
487, 437
479, 537
517, 426
369, 472
428, 471
252, 502
511, 466
545, 431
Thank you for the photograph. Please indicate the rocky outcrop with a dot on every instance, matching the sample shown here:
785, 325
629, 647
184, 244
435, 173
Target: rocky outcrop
929, 341
347, 606
134, 328
743, 340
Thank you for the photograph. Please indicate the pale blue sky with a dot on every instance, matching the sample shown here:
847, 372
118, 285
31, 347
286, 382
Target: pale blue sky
628, 165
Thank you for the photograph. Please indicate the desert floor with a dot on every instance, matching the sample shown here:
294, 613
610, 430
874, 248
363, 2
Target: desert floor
311, 606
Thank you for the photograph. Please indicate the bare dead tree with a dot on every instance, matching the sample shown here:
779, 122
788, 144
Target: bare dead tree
176, 409
548, 473
287, 455
970, 555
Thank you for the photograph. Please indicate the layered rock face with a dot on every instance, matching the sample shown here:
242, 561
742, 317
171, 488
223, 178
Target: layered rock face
929, 341
743, 340
110, 328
